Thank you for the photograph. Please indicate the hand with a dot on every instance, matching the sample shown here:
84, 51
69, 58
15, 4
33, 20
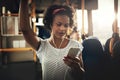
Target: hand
76, 71
73, 62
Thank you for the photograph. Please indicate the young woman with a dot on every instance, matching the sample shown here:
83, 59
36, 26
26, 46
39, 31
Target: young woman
52, 52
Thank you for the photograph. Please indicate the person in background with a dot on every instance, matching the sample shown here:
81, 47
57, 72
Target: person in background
112, 40
52, 52
110, 52
75, 34
85, 36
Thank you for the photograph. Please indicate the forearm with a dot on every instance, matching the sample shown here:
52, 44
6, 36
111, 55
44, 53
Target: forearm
24, 16
81, 60
77, 74
24, 21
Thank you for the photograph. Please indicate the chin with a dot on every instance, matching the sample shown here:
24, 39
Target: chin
60, 37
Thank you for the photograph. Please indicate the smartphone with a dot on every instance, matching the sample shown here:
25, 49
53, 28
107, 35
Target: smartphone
73, 52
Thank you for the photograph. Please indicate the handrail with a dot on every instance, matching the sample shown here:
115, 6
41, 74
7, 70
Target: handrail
20, 49
15, 49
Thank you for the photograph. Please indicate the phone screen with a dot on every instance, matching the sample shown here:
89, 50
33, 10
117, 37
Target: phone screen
73, 52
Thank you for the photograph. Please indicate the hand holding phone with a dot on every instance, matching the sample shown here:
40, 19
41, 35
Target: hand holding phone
73, 52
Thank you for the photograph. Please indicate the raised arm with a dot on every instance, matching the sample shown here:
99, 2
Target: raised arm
24, 21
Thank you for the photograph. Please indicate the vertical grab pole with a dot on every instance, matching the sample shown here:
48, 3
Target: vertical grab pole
82, 6
116, 18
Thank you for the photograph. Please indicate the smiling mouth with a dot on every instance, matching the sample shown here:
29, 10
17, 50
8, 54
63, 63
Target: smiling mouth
62, 33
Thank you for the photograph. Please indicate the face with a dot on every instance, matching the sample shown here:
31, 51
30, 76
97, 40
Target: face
60, 26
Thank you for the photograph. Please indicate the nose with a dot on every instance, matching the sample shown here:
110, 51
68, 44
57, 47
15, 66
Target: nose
62, 27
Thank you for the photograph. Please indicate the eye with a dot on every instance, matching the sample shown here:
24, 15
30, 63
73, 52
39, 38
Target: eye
66, 25
59, 24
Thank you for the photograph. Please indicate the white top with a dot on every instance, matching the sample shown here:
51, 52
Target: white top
51, 58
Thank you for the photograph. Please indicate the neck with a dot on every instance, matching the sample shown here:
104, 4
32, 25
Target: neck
57, 42
56, 39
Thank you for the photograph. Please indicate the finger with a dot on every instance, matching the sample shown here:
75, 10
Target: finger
73, 58
67, 62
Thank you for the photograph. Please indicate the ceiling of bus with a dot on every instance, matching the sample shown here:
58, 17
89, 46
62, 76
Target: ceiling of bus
13, 5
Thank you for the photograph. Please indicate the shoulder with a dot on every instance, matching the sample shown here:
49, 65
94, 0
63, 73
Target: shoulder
74, 41
43, 42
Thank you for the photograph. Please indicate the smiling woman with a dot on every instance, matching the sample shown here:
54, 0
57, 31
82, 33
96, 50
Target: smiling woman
52, 52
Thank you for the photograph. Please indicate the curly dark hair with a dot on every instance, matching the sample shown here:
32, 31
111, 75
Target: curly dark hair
51, 13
